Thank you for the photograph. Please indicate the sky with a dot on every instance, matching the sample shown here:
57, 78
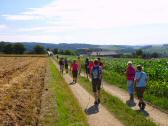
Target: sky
104, 22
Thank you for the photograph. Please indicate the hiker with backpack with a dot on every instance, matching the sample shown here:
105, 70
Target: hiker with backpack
87, 70
79, 65
101, 66
140, 84
61, 63
74, 69
91, 64
130, 74
96, 81
57, 57
66, 65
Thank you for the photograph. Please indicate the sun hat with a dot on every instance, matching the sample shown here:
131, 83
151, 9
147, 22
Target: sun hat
129, 62
139, 67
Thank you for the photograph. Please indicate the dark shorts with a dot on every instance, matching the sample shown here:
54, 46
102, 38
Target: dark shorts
75, 74
61, 67
140, 91
96, 84
66, 66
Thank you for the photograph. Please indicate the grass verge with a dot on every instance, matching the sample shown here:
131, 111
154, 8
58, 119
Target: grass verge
125, 114
69, 112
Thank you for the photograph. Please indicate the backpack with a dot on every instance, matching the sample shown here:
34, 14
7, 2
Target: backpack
96, 71
66, 62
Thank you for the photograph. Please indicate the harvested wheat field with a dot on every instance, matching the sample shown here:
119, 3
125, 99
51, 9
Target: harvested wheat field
21, 84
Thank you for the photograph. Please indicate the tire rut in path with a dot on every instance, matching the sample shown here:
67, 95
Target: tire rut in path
101, 118
156, 115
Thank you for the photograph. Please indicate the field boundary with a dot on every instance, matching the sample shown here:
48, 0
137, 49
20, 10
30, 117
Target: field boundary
60, 107
24, 55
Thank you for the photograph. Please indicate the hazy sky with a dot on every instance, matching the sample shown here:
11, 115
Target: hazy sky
85, 21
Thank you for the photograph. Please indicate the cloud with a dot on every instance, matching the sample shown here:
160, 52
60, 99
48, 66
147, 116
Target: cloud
92, 20
99, 13
47, 29
34, 38
21, 17
97, 37
3, 26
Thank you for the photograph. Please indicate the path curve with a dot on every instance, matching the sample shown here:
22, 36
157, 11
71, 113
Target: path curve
103, 117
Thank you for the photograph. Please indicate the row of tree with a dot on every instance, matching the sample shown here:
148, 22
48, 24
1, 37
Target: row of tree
64, 52
19, 48
140, 54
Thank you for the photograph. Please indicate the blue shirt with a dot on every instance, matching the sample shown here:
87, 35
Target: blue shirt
142, 77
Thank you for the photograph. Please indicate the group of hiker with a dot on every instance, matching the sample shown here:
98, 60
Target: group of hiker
93, 70
63, 63
137, 80
136, 77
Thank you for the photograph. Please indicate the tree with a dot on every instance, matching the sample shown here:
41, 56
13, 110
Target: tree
56, 51
8, 49
139, 52
155, 55
69, 52
18, 48
2, 44
61, 51
38, 49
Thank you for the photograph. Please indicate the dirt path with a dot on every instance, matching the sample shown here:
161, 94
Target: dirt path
156, 115
101, 118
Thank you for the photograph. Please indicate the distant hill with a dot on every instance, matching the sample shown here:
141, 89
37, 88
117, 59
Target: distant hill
29, 46
161, 49
126, 49
121, 48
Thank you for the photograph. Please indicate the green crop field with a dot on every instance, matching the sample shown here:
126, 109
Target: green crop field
156, 69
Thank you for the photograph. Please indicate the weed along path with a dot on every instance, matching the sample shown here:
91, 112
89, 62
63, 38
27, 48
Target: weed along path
95, 118
156, 115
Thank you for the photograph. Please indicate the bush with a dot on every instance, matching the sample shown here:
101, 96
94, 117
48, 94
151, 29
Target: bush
38, 49
8, 49
18, 48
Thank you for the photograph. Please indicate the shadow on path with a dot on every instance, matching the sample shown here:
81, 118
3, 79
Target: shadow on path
143, 112
92, 110
130, 104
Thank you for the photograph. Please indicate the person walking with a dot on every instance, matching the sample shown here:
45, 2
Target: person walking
74, 69
96, 81
140, 84
130, 74
57, 57
101, 65
61, 63
66, 65
87, 67
91, 64
79, 65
